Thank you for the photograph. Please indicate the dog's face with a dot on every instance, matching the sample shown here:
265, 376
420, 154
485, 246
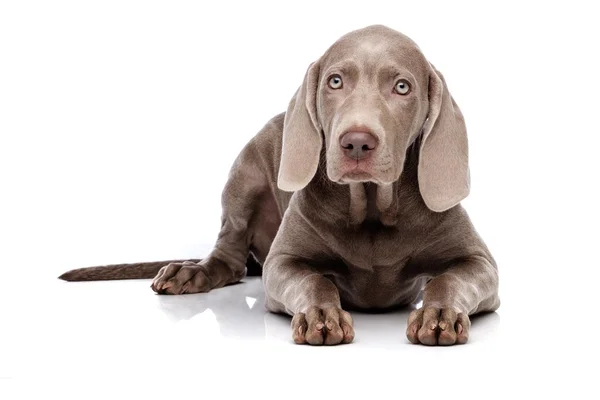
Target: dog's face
366, 100
371, 104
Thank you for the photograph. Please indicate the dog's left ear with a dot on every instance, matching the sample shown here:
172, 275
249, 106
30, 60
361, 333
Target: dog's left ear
302, 140
444, 160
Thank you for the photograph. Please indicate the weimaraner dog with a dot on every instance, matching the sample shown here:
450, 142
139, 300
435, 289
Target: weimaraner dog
350, 201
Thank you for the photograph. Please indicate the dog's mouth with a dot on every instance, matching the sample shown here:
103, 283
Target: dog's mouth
359, 172
351, 171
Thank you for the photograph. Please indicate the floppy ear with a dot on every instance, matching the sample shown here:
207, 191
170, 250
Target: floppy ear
302, 140
443, 161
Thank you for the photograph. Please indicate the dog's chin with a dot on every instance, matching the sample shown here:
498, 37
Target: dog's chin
359, 174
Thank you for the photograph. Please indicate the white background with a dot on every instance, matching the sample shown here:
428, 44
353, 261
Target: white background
119, 121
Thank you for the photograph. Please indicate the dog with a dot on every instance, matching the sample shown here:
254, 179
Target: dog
350, 200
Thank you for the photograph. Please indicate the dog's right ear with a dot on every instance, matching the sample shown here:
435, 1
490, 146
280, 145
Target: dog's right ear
302, 140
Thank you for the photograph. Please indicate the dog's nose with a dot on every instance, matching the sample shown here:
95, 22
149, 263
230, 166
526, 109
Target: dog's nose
358, 145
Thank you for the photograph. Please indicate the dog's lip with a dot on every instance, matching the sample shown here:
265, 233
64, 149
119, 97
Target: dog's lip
358, 172
352, 165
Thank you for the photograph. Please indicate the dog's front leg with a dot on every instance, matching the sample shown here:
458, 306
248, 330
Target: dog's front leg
468, 287
293, 287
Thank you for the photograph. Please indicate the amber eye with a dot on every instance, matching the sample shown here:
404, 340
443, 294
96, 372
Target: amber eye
402, 87
335, 82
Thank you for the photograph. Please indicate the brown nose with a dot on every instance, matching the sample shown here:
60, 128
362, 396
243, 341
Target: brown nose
358, 145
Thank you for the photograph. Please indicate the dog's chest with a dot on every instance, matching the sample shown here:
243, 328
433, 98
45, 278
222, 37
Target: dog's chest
372, 271
380, 287
373, 246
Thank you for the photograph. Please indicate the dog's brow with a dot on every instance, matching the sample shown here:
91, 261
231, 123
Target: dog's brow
345, 67
394, 70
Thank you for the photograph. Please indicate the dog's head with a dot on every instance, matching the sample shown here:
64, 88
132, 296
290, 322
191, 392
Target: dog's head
369, 97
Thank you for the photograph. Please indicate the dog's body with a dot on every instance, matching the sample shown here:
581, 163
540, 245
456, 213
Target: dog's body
364, 224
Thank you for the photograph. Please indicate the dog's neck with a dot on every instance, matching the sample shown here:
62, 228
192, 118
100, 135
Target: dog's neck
369, 201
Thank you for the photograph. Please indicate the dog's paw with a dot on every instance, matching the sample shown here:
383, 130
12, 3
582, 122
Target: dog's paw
438, 326
319, 326
181, 278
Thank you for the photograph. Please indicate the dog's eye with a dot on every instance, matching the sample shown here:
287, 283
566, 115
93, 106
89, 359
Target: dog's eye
402, 87
335, 82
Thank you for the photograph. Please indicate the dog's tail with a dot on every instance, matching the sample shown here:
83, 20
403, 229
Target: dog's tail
147, 270
115, 272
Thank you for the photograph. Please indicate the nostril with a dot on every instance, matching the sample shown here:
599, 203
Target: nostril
358, 144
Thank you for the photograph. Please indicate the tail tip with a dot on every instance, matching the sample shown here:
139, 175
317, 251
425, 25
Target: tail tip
67, 276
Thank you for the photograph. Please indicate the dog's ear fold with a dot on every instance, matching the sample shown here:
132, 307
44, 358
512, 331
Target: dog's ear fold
443, 161
302, 140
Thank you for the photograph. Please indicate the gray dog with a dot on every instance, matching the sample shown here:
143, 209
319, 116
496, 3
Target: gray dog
350, 200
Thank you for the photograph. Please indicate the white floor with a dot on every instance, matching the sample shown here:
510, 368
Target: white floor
120, 340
